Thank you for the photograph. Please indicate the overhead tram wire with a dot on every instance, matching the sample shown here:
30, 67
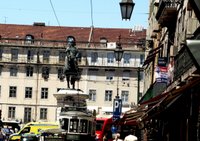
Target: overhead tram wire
56, 16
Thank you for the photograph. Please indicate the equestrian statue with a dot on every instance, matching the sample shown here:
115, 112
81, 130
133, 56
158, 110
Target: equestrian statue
71, 69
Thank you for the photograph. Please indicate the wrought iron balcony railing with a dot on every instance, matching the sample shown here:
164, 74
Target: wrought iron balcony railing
167, 11
182, 63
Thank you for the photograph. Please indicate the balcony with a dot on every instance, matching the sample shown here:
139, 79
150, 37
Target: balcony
167, 12
182, 63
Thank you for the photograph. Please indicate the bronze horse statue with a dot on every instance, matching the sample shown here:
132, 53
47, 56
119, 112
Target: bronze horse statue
71, 69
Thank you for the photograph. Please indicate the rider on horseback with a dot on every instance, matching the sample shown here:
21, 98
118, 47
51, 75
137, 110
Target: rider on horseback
71, 55
71, 65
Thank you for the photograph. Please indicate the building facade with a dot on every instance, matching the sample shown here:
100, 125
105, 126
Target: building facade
169, 109
31, 68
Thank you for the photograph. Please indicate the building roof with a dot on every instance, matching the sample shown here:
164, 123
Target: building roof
40, 31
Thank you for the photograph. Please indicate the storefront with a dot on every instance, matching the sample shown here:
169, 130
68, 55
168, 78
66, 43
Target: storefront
173, 115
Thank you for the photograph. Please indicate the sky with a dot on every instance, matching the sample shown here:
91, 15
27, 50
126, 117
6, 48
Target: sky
73, 13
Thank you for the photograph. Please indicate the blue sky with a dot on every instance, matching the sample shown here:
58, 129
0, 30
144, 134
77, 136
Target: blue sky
106, 13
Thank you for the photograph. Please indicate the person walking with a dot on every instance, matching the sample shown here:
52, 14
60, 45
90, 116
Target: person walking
117, 137
105, 137
131, 136
1, 135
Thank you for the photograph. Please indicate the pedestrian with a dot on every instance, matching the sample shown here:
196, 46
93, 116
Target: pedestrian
105, 137
117, 137
131, 136
1, 135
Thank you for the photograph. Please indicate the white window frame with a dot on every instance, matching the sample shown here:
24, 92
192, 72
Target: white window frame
126, 76
44, 93
28, 92
12, 91
127, 58
110, 57
11, 112
108, 95
110, 75
43, 113
125, 97
94, 57
92, 95
13, 71
93, 75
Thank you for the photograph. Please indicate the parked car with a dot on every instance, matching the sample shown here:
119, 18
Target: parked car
33, 128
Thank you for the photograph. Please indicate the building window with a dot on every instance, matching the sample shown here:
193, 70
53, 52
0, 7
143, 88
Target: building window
14, 54
30, 55
45, 72
109, 75
11, 112
28, 92
108, 95
141, 59
13, 91
27, 114
92, 74
62, 55
46, 54
110, 57
124, 97
127, 57
61, 75
44, 93
103, 42
92, 95
29, 39
43, 113
13, 71
126, 76
29, 71
94, 57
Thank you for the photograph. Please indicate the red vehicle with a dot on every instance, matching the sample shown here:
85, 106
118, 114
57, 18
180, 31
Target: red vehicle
103, 127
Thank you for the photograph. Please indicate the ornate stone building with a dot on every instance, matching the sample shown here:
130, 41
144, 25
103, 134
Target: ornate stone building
32, 60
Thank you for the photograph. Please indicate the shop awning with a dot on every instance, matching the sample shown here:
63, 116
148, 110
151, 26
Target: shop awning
167, 99
151, 55
153, 107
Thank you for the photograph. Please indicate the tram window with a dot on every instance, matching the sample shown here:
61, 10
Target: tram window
90, 127
64, 123
73, 125
83, 126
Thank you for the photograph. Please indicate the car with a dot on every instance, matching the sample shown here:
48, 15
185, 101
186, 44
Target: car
33, 128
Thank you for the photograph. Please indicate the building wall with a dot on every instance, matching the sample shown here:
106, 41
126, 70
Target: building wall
53, 83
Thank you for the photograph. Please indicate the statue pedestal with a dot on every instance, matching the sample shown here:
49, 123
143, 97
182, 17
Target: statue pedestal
71, 97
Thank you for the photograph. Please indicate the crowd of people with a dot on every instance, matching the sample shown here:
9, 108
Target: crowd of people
129, 137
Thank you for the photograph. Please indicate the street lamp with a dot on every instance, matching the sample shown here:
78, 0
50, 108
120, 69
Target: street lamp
118, 56
117, 103
126, 7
